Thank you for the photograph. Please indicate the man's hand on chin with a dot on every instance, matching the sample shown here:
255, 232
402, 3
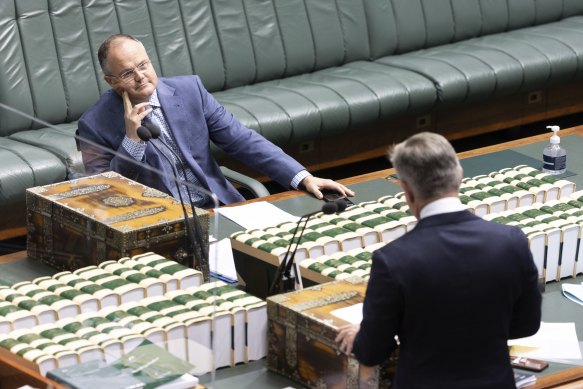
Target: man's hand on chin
133, 116
315, 185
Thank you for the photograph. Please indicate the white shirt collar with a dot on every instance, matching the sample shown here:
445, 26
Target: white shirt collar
443, 205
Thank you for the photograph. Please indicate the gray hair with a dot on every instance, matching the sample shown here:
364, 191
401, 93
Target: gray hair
106, 45
428, 164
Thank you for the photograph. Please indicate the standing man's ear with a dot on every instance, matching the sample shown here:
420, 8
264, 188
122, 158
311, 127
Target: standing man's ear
411, 199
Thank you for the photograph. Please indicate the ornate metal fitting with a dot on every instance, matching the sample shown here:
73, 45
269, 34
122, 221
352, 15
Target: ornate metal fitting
118, 201
134, 215
80, 191
323, 301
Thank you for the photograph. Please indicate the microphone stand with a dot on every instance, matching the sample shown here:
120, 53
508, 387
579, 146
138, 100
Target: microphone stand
283, 280
199, 246
146, 135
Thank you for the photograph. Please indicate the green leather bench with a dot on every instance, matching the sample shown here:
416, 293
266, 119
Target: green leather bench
307, 74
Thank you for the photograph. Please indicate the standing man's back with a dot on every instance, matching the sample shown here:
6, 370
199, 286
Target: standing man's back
453, 290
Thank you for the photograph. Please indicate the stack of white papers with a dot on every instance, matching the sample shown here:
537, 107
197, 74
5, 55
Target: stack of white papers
552, 341
258, 215
574, 292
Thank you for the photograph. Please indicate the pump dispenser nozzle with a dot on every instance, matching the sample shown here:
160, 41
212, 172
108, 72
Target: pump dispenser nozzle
555, 138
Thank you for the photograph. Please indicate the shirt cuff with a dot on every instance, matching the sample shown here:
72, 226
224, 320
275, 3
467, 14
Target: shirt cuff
135, 149
295, 183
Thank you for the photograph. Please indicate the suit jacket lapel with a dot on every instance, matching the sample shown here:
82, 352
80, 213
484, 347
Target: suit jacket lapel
177, 119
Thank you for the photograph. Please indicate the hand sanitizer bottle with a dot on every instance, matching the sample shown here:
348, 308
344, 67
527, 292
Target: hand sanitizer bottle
554, 156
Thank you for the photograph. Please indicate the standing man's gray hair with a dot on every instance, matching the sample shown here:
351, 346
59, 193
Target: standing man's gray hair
428, 164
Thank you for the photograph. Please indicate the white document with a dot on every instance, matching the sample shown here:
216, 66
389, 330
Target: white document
573, 292
351, 314
258, 215
552, 341
221, 259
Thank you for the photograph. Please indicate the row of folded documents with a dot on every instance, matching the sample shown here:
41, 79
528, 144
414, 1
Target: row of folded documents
554, 229
388, 218
210, 325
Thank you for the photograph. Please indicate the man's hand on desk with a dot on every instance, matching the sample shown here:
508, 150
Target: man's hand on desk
346, 336
315, 185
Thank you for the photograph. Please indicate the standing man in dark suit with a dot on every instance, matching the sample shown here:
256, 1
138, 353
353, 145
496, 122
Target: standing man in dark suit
189, 118
453, 290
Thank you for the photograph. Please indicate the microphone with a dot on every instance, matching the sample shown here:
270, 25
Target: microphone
154, 129
283, 280
202, 251
194, 234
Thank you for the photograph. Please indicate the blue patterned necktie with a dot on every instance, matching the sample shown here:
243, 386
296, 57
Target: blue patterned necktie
198, 198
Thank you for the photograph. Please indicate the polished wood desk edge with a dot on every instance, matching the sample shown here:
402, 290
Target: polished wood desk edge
27, 368
387, 172
13, 257
556, 380
471, 153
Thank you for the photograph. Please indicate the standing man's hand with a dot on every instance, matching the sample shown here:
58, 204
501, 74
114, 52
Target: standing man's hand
346, 337
133, 116
315, 185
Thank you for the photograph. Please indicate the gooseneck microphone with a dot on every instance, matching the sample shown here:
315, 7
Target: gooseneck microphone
199, 245
284, 281
147, 133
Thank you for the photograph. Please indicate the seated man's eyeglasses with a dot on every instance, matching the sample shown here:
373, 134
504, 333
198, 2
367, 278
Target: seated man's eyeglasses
131, 73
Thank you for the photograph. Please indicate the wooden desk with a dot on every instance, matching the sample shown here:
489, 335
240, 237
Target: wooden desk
12, 366
567, 378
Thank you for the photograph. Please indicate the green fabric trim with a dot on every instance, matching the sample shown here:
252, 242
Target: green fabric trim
547, 209
99, 276
501, 220
364, 256
115, 283
154, 273
161, 305
136, 277
267, 247
481, 195
533, 213
509, 189
517, 217
361, 215
73, 327
71, 294
496, 192
8, 309
91, 289
376, 222
333, 232
349, 259
524, 185
28, 304
183, 299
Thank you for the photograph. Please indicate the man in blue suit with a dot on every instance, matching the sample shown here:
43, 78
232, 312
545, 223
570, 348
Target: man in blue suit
453, 290
189, 118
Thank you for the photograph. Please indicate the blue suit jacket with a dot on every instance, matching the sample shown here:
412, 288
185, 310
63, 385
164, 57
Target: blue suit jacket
454, 290
195, 118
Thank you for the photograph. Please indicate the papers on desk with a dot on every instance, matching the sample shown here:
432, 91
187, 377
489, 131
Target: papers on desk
552, 341
221, 261
573, 292
351, 314
258, 215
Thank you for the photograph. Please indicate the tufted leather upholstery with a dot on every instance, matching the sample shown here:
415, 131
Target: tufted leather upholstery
293, 70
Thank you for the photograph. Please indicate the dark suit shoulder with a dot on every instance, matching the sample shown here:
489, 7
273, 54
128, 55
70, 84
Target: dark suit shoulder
106, 102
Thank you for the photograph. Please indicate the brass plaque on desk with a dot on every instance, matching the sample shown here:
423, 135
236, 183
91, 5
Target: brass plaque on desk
301, 333
84, 222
